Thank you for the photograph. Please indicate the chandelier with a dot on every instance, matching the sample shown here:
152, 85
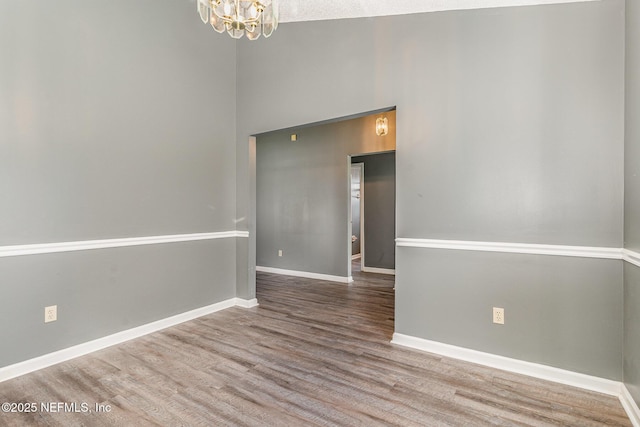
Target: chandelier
237, 17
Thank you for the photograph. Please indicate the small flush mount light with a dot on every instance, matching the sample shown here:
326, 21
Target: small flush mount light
382, 126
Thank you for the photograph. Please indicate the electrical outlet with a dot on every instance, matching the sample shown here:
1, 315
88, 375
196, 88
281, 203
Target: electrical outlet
498, 315
279, 252
50, 313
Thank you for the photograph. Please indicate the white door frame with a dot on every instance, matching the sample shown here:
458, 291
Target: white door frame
360, 166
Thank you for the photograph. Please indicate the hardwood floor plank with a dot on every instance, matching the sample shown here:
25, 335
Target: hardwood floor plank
313, 353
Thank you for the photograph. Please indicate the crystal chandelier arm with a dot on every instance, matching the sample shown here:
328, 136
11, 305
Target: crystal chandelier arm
214, 9
259, 9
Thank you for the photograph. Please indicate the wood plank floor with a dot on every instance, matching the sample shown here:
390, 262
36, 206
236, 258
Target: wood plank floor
312, 353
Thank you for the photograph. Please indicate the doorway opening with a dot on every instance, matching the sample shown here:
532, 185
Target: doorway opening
302, 196
372, 222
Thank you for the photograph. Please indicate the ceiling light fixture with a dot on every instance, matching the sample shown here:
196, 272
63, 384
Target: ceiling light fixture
382, 126
238, 17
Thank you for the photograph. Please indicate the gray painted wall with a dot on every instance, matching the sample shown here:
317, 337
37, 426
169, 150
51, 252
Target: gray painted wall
100, 98
509, 127
552, 306
107, 131
632, 330
379, 209
104, 291
632, 129
303, 196
632, 202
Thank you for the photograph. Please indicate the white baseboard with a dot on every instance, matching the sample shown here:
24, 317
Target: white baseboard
536, 370
356, 256
630, 406
378, 270
575, 379
305, 274
41, 362
246, 303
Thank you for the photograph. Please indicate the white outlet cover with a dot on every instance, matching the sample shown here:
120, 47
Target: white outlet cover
498, 315
50, 313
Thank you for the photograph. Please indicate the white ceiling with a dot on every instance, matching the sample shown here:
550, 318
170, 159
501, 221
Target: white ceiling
313, 10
